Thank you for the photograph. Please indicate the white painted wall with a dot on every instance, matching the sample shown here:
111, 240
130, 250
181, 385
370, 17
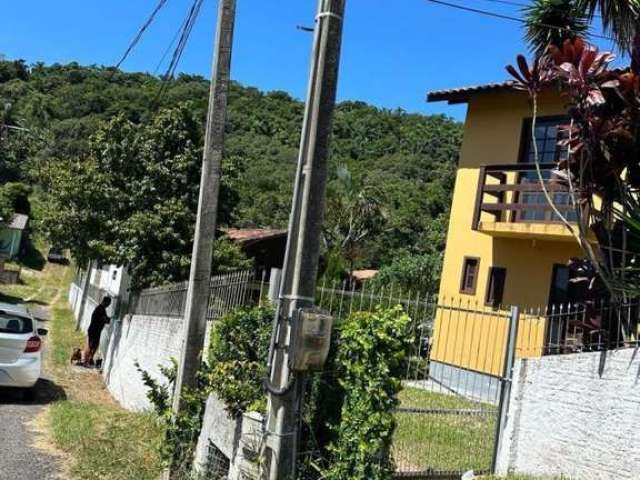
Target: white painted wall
150, 341
575, 415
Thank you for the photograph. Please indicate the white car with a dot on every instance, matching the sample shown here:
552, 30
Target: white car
20, 348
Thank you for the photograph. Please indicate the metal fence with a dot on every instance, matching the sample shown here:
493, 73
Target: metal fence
581, 327
448, 418
96, 294
226, 292
449, 413
457, 379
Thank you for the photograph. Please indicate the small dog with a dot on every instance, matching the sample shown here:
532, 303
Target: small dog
76, 356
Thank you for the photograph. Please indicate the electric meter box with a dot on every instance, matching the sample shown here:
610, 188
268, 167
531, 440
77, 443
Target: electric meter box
311, 339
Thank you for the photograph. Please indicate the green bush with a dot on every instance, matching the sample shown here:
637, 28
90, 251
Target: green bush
238, 356
228, 257
412, 273
182, 430
371, 357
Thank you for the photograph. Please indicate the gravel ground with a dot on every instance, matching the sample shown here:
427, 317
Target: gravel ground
19, 459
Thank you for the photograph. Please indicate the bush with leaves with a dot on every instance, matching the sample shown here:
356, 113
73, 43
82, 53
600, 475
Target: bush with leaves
182, 430
228, 257
371, 357
237, 358
411, 273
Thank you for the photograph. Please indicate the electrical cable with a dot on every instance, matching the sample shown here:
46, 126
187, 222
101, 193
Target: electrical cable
184, 35
143, 28
168, 49
506, 17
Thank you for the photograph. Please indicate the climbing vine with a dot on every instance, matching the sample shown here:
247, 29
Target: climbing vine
372, 351
237, 358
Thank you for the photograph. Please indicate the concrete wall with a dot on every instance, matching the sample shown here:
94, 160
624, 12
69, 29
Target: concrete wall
575, 415
151, 342
238, 439
148, 340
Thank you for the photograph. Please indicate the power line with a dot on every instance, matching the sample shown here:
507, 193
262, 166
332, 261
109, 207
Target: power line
502, 16
185, 33
187, 27
509, 2
168, 49
143, 28
521, 4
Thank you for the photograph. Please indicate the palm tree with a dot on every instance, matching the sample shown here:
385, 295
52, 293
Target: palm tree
354, 213
620, 19
570, 19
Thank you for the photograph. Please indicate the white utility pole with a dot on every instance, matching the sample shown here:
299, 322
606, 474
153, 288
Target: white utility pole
195, 322
300, 270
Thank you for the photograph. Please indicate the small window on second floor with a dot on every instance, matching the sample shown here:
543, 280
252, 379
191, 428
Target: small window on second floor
495, 286
469, 275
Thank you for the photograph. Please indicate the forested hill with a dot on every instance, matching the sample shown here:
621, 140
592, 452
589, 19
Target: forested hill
408, 160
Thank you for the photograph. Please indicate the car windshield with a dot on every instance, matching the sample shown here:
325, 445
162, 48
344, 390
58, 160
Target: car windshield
55, 251
14, 324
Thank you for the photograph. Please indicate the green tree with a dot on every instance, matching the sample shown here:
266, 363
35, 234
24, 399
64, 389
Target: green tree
228, 257
411, 273
620, 19
354, 212
6, 209
409, 157
133, 200
16, 195
570, 19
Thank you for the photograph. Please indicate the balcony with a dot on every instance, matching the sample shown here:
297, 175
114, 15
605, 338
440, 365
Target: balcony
510, 203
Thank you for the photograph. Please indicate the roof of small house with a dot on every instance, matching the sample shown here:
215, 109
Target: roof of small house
250, 235
19, 222
463, 94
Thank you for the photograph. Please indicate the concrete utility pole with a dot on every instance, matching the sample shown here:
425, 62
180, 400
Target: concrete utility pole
300, 270
199, 278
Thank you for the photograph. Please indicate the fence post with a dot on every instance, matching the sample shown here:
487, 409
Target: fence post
505, 383
274, 284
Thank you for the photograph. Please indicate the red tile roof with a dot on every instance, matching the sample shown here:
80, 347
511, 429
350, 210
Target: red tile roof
243, 235
463, 94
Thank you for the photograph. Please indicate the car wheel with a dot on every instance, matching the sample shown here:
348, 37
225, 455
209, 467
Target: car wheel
29, 394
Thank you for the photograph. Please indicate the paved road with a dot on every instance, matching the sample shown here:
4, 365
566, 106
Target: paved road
19, 460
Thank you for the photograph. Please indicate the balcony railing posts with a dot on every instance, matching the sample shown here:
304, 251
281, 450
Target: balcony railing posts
515, 203
479, 194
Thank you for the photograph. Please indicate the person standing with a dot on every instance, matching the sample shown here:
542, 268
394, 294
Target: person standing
99, 319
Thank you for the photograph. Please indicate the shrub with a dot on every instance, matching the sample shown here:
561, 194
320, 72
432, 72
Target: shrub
182, 430
238, 356
371, 357
411, 273
228, 257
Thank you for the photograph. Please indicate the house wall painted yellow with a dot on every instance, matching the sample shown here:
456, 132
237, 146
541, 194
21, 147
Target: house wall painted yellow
528, 252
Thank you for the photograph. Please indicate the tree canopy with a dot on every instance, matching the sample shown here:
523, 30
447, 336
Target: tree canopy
91, 125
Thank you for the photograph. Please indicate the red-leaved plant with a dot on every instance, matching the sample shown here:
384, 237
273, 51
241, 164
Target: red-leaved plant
602, 167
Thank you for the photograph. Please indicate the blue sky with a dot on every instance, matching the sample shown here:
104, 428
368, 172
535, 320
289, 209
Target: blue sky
394, 50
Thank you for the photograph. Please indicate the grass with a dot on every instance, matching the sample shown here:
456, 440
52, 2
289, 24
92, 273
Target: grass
442, 441
106, 443
98, 439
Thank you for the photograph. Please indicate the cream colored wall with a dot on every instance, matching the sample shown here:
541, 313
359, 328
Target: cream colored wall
493, 131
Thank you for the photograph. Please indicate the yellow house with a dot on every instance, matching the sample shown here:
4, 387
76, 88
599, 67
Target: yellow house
505, 246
